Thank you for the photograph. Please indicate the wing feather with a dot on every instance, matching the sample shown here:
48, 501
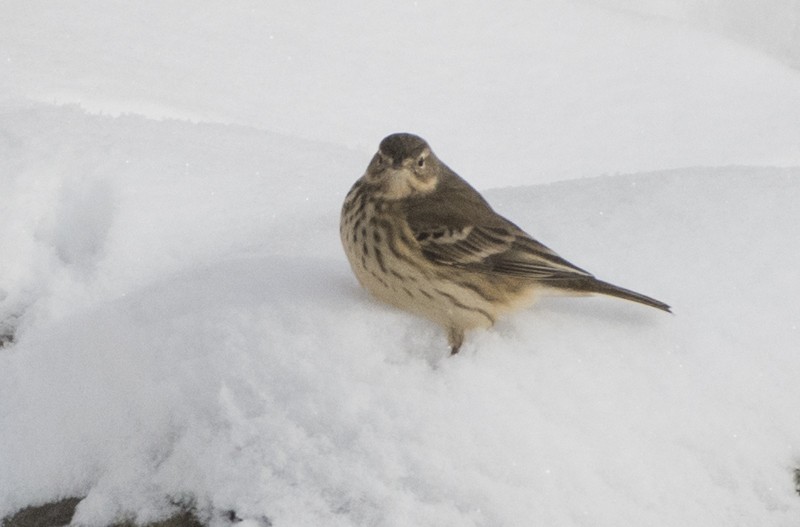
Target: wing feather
460, 229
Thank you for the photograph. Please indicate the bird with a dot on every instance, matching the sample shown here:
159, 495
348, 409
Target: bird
420, 238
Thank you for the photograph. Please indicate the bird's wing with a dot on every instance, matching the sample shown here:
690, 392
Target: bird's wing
494, 249
474, 237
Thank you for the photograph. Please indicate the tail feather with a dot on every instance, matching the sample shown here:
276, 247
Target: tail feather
590, 284
605, 288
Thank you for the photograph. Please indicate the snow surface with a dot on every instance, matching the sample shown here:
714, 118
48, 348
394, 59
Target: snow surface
188, 330
772, 28
537, 91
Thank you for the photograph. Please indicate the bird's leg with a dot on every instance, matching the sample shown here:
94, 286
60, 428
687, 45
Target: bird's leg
455, 337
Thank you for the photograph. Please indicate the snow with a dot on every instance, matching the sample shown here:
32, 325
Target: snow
187, 330
538, 91
773, 30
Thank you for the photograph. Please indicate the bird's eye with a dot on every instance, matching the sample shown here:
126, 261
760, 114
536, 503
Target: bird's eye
378, 159
421, 162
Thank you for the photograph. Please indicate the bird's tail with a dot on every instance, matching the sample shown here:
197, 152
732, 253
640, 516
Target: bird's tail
589, 284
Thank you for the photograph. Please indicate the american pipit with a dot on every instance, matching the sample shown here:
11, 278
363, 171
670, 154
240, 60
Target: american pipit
422, 239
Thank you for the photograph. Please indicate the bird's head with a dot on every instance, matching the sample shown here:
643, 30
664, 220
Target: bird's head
403, 167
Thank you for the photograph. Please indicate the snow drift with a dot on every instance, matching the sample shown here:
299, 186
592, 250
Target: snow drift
196, 336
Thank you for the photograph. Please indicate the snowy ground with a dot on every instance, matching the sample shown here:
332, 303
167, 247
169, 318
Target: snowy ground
187, 328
